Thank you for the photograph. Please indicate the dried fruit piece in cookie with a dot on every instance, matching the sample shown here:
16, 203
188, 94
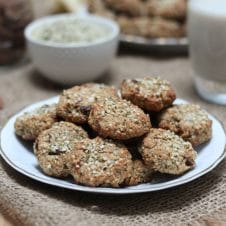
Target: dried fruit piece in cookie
118, 119
31, 124
100, 162
188, 121
140, 174
172, 9
53, 145
151, 93
166, 152
75, 103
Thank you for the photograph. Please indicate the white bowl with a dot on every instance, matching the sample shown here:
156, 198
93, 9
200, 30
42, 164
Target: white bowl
72, 63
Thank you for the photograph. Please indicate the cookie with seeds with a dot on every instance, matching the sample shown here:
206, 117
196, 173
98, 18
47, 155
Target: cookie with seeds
98, 7
31, 124
118, 119
188, 121
100, 163
75, 103
139, 26
166, 152
140, 173
155, 27
165, 28
150, 93
53, 145
130, 7
172, 9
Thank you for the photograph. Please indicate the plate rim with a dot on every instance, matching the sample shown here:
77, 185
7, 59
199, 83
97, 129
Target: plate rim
113, 191
154, 42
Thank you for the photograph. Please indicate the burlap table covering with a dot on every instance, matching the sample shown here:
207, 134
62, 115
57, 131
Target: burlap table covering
28, 202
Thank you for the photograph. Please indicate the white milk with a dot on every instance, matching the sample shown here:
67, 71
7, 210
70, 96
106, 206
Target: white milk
207, 37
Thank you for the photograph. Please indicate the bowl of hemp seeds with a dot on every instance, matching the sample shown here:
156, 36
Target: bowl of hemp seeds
70, 49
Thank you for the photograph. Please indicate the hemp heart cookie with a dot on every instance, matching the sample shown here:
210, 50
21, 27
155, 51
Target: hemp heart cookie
166, 152
172, 9
130, 7
188, 121
31, 124
164, 28
140, 173
53, 145
100, 162
150, 94
75, 103
151, 27
118, 119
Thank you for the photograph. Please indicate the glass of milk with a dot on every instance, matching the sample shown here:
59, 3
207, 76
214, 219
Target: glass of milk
207, 38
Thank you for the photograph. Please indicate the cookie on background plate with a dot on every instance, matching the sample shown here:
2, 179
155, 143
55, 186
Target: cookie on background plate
130, 7
75, 103
166, 152
118, 119
100, 162
188, 121
150, 93
29, 125
171, 9
53, 145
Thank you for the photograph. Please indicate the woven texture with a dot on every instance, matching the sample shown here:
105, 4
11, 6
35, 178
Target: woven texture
28, 202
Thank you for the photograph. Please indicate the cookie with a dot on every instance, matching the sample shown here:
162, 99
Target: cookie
188, 121
134, 26
31, 124
130, 7
118, 119
75, 103
98, 7
166, 152
140, 173
172, 9
155, 27
164, 28
53, 145
100, 162
150, 94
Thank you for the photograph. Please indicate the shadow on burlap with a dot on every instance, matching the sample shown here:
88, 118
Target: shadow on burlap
29, 202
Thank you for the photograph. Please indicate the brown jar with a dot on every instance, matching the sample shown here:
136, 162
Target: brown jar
14, 16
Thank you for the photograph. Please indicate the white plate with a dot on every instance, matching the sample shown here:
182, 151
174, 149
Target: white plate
19, 155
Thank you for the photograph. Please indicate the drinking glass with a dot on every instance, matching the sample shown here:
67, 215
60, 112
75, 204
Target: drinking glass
207, 39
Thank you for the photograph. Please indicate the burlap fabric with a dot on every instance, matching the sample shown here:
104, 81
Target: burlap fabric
28, 202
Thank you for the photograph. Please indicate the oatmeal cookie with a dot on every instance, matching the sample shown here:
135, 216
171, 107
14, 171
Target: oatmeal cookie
130, 7
100, 162
134, 26
31, 124
172, 9
166, 152
118, 119
150, 94
188, 121
151, 27
53, 145
140, 174
75, 103
98, 7
166, 28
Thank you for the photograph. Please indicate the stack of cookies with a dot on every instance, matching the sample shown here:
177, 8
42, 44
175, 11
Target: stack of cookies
103, 137
146, 18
